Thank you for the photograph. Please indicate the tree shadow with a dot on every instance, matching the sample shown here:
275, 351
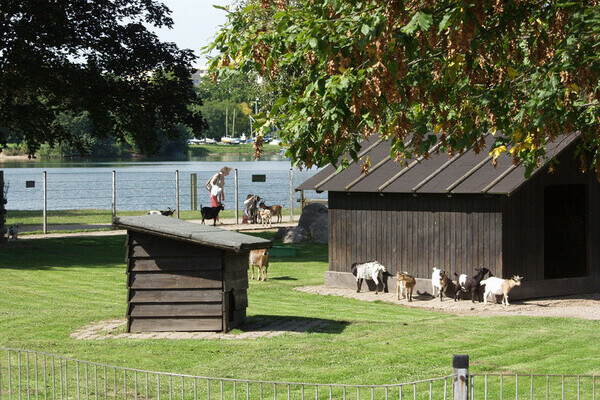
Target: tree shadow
262, 323
81, 252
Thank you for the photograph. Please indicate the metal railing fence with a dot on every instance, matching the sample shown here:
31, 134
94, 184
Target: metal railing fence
35, 375
532, 386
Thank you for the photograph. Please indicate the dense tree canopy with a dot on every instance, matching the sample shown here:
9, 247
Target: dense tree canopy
97, 57
434, 75
237, 91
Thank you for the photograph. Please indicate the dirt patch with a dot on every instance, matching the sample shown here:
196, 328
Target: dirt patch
579, 306
257, 327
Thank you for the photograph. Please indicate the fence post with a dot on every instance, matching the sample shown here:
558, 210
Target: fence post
177, 192
194, 192
114, 194
291, 195
3, 201
45, 209
460, 379
237, 216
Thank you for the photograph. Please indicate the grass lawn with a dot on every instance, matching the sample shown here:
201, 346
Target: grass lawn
50, 288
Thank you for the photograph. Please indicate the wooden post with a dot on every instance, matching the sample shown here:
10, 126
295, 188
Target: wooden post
3, 201
45, 207
177, 192
291, 195
460, 380
237, 214
114, 194
193, 192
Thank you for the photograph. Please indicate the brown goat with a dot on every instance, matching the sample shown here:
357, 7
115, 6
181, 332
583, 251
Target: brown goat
448, 287
260, 259
405, 282
275, 210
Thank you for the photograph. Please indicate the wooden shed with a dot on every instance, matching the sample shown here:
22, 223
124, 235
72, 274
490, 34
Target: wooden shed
183, 276
462, 212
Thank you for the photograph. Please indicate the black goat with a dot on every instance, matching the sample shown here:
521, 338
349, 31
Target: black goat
472, 284
211, 213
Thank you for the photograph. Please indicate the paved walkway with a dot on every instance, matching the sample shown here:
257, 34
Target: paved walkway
106, 229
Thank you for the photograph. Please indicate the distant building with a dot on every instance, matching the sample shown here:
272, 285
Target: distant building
200, 72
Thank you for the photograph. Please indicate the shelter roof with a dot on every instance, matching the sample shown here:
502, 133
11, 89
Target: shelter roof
466, 173
177, 229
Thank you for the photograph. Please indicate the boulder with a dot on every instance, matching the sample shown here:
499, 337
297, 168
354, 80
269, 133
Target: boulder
311, 213
319, 230
296, 234
281, 233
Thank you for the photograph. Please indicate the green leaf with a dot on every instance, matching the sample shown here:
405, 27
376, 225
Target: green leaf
365, 29
425, 20
444, 23
313, 42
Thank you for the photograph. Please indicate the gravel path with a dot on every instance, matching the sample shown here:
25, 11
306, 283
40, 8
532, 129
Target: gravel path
585, 306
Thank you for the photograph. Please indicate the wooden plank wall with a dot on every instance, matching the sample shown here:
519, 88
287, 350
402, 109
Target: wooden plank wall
173, 285
524, 220
415, 233
235, 286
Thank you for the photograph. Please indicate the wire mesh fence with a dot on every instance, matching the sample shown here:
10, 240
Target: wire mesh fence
35, 375
140, 190
93, 196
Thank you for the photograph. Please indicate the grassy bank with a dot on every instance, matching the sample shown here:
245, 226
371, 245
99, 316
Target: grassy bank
193, 150
53, 287
245, 148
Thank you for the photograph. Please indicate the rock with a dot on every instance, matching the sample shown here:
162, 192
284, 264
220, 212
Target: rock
319, 230
281, 233
295, 235
312, 213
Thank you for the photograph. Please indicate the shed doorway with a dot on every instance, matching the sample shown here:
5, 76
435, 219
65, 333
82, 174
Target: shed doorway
565, 245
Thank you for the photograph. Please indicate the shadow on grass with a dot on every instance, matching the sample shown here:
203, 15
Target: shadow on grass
262, 323
284, 278
82, 252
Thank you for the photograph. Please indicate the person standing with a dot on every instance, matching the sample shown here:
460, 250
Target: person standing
216, 187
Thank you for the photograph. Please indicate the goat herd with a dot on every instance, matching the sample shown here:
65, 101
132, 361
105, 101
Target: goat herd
463, 286
255, 212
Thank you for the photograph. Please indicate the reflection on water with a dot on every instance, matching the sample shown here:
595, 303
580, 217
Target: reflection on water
117, 162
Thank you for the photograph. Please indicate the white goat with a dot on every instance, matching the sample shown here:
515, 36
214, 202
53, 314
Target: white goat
371, 271
499, 286
436, 280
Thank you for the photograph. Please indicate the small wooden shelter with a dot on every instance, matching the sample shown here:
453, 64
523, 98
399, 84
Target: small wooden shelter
183, 276
461, 213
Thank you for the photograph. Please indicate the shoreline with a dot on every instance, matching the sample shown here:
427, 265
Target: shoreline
21, 157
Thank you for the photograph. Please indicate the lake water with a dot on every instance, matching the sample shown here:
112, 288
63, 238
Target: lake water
145, 185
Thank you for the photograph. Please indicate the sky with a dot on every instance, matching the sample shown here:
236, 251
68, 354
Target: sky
196, 23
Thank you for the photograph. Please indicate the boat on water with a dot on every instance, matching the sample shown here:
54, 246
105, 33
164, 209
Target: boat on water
230, 140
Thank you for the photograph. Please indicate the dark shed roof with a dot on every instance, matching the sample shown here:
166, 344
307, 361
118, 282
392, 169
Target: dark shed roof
465, 173
192, 232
